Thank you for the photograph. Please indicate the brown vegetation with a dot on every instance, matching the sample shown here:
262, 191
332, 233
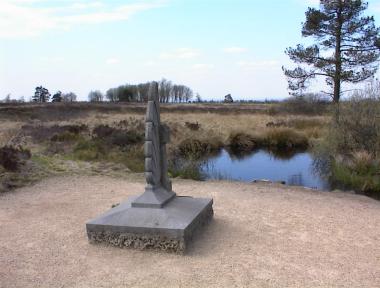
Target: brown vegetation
113, 133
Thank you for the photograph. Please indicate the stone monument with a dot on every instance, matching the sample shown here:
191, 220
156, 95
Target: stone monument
158, 218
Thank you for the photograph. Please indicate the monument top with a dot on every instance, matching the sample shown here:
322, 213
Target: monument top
158, 190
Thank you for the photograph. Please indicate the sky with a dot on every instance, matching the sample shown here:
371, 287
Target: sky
216, 47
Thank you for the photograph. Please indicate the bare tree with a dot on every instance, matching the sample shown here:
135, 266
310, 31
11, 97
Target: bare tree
69, 97
95, 96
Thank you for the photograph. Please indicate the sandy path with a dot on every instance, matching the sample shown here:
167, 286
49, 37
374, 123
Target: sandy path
261, 236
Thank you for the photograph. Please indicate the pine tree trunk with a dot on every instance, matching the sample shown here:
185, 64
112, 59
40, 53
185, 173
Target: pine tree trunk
338, 52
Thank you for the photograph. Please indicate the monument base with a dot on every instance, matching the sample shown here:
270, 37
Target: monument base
169, 228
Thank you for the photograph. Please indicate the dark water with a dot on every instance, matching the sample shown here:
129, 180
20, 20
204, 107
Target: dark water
295, 169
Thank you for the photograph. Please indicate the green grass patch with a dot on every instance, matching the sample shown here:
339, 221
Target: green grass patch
98, 150
364, 180
185, 169
66, 136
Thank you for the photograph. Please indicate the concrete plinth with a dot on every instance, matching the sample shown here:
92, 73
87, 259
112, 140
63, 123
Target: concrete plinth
169, 228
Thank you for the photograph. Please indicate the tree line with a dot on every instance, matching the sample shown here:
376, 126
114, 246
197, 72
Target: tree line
42, 95
168, 92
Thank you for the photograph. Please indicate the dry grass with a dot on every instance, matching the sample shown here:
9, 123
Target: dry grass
215, 125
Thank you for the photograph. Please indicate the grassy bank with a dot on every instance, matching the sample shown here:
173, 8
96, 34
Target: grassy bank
94, 136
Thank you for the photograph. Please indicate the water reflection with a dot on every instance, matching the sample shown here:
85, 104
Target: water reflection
293, 168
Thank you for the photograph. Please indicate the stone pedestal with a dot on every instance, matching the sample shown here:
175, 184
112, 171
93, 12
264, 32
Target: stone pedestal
169, 228
157, 219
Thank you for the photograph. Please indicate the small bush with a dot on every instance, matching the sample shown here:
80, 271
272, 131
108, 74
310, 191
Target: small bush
90, 150
41, 133
272, 124
12, 158
75, 129
351, 150
118, 137
364, 181
285, 138
185, 169
310, 104
358, 125
198, 148
193, 126
124, 138
103, 131
134, 159
241, 142
65, 136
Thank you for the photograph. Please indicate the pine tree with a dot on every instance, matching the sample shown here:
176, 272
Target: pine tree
41, 95
57, 97
346, 49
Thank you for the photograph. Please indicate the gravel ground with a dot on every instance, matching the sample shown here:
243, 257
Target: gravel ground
262, 236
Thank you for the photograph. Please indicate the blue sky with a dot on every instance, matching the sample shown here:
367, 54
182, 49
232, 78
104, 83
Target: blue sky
215, 47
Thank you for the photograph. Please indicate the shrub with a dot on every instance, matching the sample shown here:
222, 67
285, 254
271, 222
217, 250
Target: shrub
65, 137
358, 125
103, 131
186, 169
351, 150
285, 138
118, 137
193, 126
133, 158
241, 142
89, 150
305, 104
198, 148
365, 181
124, 138
12, 158
42, 132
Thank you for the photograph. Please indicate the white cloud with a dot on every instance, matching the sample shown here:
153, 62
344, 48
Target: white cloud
150, 63
264, 64
112, 61
81, 5
235, 49
308, 3
22, 18
52, 60
181, 53
203, 67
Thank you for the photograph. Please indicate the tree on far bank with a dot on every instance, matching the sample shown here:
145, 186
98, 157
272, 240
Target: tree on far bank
95, 96
7, 98
346, 49
69, 97
41, 95
57, 97
139, 93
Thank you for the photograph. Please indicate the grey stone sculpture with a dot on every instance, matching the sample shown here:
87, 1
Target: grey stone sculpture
157, 219
158, 190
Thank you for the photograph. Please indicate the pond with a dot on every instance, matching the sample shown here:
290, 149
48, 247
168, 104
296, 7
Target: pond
293, 169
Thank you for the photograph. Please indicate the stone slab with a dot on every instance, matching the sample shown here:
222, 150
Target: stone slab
169, 228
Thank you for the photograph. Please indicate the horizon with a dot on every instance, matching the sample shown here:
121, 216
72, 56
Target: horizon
214, 47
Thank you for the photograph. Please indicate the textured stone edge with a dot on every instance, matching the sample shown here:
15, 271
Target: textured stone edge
152, 241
